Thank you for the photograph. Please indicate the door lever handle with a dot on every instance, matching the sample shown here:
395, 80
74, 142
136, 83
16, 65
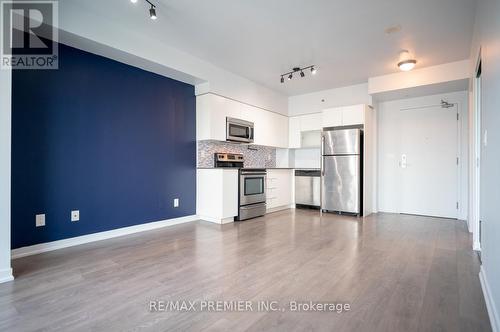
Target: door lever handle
403, 163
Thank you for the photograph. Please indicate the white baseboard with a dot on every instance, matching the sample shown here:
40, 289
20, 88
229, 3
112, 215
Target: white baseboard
280, 208
217, 220
6, 275
469, 224
74, 241
490, 302
476, 246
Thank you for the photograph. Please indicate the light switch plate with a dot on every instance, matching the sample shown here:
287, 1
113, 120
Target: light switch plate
75, 215
176, 202
40, 220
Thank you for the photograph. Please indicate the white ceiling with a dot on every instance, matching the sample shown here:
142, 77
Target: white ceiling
260, 39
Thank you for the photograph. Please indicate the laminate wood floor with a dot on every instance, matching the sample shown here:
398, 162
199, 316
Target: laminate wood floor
397, 273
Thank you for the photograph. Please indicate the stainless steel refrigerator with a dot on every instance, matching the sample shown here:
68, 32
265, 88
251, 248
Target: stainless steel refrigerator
341, 171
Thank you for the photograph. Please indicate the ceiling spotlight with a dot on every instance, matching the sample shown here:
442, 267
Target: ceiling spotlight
406, 63
290, 76
152, 13
302, 74
152, 9
282, 79
313, 71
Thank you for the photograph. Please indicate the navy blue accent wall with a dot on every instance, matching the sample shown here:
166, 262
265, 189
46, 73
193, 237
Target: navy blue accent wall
116, 142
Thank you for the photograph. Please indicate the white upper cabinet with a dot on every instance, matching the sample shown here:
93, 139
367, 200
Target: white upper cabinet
279, 130
294, 132
211, 113
344, 116
310, 122
332, 117
353, 115
300, 124
271, 129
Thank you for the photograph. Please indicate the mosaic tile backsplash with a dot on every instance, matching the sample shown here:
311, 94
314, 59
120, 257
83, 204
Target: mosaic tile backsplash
256, 156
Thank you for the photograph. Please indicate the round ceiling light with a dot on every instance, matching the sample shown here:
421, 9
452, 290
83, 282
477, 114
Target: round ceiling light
406, 63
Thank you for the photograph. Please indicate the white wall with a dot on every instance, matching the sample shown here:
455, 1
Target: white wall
312, 102
389, 149
5, 148
429, 76
487, 38
76, 20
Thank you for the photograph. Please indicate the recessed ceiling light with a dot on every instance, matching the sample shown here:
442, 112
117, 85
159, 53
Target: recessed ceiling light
406, 62
133, 1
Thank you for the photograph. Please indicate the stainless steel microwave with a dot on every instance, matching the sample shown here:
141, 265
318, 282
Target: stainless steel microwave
239, 130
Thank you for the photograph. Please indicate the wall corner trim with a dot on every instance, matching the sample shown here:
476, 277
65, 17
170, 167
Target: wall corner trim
490, 303
6, 275
75, 241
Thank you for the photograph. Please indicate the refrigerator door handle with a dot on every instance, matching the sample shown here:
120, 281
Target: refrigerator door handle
322, 157
322, 165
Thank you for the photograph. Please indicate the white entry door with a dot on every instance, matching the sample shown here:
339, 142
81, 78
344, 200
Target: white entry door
428, 161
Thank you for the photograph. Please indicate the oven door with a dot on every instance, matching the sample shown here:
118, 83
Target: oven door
239, 130
252, 188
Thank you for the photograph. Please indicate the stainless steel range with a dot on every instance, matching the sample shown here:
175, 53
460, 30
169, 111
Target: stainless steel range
252, 193
251, 188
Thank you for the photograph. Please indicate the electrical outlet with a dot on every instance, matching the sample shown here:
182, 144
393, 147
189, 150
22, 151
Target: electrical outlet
40, 220
75, 215
176, 202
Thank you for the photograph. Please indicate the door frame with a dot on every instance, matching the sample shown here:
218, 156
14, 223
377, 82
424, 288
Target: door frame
460, 154
475, 164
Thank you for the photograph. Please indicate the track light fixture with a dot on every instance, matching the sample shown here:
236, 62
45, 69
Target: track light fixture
152, 9
152, 13
297, 70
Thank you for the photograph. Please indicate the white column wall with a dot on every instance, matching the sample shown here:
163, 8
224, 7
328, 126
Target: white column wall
5, 157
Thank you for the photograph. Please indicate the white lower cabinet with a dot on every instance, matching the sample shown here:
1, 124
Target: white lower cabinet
279, 188
217, 194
